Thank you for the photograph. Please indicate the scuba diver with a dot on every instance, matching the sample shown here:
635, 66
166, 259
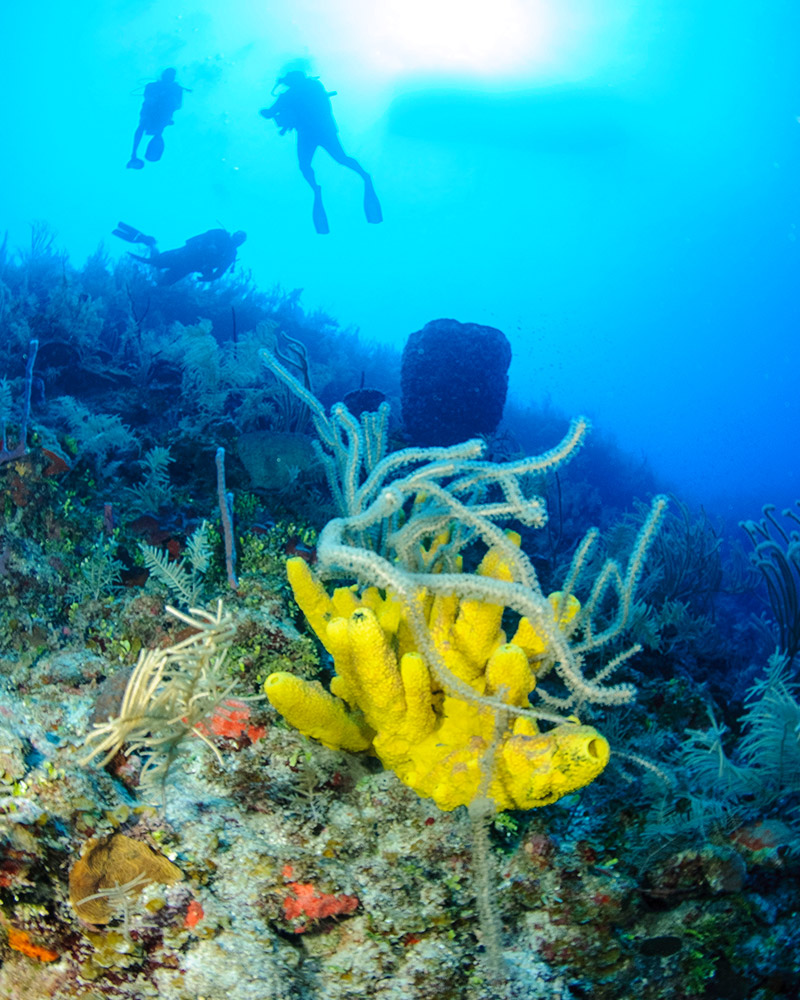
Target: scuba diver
209, 255
162, 98
305, 106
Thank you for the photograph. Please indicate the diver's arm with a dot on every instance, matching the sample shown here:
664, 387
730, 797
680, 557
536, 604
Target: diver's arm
280, 104
215, 272
225, 265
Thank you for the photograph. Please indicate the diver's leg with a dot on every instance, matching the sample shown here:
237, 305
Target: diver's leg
170, 276
172, 259
372, 207
132, 235
334, 147
174, 265
305, 151
137, 138
125, 232
154, 258
134, 162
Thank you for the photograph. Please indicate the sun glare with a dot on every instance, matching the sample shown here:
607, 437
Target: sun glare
489, 37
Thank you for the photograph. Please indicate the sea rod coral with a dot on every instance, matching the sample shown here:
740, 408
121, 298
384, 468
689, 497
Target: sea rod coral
425, 676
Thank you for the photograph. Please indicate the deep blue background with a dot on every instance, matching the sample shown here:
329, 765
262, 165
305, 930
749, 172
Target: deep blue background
614, 184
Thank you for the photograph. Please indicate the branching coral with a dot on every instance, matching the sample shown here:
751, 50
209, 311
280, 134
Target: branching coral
723, 781
347, 448
776, 554
425, 676
685, 562
169, 693
8, 453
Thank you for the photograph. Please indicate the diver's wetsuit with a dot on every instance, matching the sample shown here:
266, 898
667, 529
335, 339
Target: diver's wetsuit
161, 99
305, 106
209, 255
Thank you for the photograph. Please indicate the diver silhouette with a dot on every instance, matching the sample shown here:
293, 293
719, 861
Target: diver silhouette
305, 106
208, 255
162, 98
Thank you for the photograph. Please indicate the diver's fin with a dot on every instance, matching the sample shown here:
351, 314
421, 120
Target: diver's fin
372, 207
134, 163
136, 256
319, 216
131, 235
155, 148
125, 232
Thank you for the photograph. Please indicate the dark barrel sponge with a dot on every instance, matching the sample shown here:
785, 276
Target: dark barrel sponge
454, 381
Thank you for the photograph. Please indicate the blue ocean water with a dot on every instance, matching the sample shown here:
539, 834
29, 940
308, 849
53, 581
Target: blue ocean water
614, 185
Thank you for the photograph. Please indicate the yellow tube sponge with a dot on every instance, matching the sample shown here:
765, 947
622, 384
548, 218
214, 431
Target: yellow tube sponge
440, 739
307, 706
379, 687
538, 770
311, 596
531, 639
476, 631
509, 676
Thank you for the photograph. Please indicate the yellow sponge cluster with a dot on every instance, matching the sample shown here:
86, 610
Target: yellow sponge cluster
438, 742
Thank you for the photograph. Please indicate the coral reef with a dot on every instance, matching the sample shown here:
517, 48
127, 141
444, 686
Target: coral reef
312, 871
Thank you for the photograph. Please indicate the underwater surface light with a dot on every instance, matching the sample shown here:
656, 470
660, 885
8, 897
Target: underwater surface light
485, 36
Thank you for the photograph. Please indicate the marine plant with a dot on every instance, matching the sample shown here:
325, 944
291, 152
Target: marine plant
96, 436
8, 453
776, 555
170, 691
425, 675
686, 558
348, 448
732, 788
155, 490
183, 578
98, 573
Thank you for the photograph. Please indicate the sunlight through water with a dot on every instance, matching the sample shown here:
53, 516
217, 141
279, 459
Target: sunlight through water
460, 35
